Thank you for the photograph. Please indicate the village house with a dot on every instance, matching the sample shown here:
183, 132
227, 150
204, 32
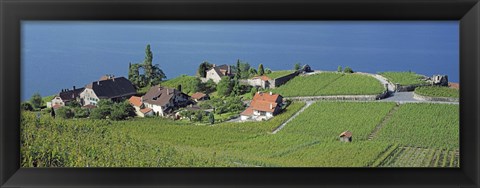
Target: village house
109, 87
199, 96
259, 81
164, 100
140, 109
64, 97
263, 106
217, 72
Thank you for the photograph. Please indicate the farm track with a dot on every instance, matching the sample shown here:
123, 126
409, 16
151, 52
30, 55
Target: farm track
307, 104
383, 122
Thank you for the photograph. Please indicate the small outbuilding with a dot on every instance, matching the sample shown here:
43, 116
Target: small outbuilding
199, 96
346, 136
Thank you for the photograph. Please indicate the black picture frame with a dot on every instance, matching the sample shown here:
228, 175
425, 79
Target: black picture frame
12, 12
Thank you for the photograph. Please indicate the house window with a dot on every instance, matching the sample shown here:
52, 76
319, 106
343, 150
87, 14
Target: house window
262, 113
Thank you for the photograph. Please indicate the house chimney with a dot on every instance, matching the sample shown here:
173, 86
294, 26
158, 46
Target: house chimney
271, 106
228, 70
270, 93
214, 65
98, 82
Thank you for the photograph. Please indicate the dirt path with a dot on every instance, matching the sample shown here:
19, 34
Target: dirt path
384, 121
308, 103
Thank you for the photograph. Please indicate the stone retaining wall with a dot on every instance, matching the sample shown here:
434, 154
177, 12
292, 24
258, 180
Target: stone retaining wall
337, 97
400, 88
282, 80
441, 99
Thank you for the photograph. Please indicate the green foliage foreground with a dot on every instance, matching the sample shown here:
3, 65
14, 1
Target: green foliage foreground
311, 139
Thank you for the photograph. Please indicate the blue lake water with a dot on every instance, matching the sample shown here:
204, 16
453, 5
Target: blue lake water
61, 54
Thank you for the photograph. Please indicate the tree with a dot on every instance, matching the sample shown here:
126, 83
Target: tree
339, 69
157, 75
296, 66
348, 70
211, 118
238, 72
99, 113
65, 112
268, 71
236, 88
253, 91
224, 87
209, 87
245, 70
74, 104
147, 63
81, 113
260, 70
26, 106
104, 107
203, 68
252, 71
36, 100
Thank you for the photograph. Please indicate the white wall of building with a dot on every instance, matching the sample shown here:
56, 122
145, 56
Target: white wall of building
89, 97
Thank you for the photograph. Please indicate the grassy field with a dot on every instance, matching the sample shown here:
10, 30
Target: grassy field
403, 78
330, 84
423, 125
311, 139
437, 91
189, 83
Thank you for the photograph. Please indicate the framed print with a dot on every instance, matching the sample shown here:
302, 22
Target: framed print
239, 93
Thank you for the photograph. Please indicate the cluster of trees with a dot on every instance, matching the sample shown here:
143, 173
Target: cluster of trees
35, 103
105, 109
153, 75
346, 70
221, 106
198, 116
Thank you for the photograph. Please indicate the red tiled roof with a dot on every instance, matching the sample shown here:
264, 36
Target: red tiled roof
265, 97
263, 77
247, 112
347, 134
136, 101
145, 110
198, 95
454, 85
263, 106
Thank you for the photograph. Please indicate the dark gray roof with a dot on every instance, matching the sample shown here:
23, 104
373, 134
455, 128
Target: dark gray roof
160, 95
112, 88
70, 94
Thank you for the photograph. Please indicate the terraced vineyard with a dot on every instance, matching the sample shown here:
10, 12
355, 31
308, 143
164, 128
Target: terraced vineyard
311, 139
421, 157
330, 83
403, 78
437, 91
423, 125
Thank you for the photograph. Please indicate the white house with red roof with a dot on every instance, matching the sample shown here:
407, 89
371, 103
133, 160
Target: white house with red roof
140, 109
263, 106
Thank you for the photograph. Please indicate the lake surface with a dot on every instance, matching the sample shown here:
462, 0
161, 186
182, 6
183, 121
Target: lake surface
61, 54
